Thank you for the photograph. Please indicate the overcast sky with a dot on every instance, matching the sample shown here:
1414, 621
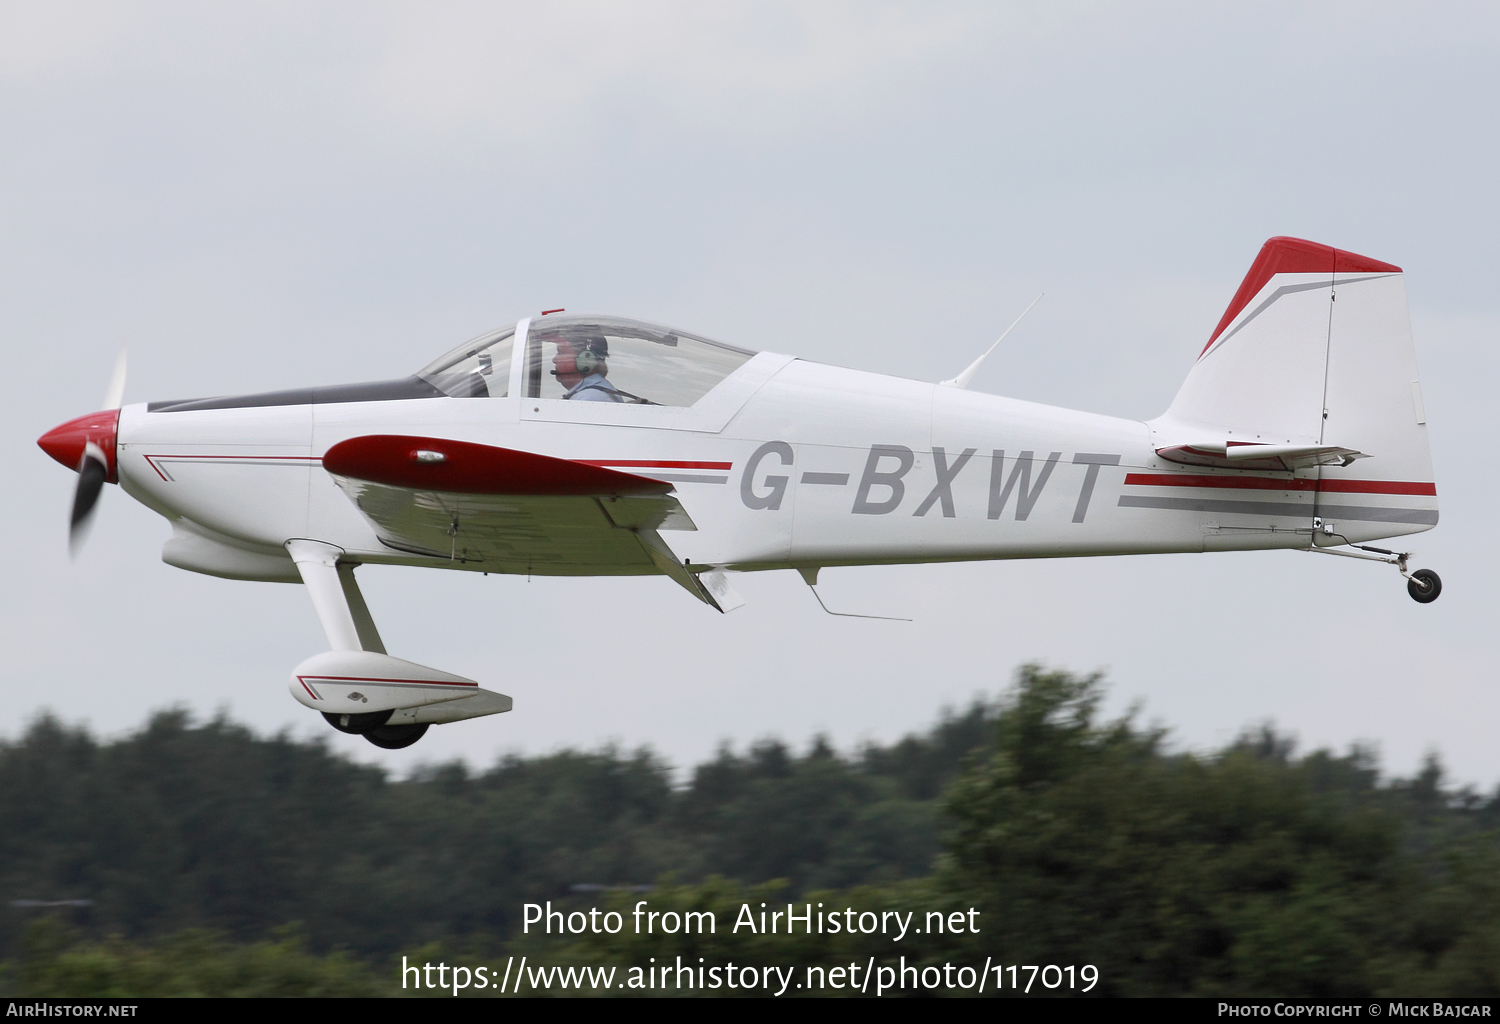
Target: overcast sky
257, 196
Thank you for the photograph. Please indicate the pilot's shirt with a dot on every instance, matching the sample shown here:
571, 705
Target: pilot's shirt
594, 388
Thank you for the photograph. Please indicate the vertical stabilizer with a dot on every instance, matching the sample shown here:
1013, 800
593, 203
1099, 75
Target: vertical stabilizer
1315, 355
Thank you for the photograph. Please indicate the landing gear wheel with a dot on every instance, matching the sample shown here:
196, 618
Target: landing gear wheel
1424, 586
358, 724
394, 737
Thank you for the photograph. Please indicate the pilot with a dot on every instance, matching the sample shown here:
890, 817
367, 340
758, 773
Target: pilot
580, 365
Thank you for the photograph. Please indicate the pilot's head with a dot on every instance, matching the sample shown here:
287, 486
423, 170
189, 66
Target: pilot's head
578, 358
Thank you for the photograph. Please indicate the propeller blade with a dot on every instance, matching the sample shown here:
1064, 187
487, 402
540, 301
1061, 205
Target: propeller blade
91, 473
116, 393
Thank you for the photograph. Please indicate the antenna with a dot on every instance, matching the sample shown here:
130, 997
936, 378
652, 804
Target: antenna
962, 380
810, 577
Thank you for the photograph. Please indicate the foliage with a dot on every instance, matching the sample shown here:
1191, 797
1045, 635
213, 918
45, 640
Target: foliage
190, 963
1228, 874
1249, 870
1244, 872
185, 826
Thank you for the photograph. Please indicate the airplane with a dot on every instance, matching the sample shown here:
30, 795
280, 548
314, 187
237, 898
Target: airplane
582, 445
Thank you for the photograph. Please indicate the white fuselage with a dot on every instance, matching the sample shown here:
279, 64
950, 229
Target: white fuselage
786, 463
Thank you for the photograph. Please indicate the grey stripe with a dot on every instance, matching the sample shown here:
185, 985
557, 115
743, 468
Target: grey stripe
682, 478
1298, 509
832, 479
1427, 516
1287, 290
1303, 509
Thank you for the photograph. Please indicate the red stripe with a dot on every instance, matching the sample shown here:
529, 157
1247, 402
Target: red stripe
1282, 255
655, 463
1379, 487
377, 679
1267, 484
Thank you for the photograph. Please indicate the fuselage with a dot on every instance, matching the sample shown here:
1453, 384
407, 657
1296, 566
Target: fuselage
784, 463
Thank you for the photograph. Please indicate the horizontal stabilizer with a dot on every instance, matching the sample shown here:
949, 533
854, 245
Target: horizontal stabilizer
1251, 455
1294, 456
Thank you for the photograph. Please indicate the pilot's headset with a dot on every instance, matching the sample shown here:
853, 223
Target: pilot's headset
589, 356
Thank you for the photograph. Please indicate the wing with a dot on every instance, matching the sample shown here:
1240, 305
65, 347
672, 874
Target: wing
502, 510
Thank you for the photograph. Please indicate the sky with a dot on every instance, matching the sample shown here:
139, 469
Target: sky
266, 195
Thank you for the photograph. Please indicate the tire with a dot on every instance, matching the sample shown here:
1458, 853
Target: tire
394, 737
358, 724
1424, 586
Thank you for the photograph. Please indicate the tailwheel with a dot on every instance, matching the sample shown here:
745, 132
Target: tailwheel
394, 737
1424, 586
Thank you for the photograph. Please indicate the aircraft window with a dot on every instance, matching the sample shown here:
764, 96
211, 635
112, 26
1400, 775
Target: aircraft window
476, 369
610, 359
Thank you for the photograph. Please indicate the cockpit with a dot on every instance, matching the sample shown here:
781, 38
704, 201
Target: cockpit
588, 359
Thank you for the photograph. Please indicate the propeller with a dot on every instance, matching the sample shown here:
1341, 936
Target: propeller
87, 444
115, 393
93, 470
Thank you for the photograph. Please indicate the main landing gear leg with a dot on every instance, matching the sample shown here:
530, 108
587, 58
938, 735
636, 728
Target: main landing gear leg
346, 619
1424, 585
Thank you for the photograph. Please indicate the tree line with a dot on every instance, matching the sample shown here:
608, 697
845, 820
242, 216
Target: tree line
1078, 840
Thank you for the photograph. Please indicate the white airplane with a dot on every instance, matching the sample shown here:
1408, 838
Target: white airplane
591, 446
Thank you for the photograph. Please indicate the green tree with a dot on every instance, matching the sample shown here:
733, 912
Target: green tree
189, 963
1085, 842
